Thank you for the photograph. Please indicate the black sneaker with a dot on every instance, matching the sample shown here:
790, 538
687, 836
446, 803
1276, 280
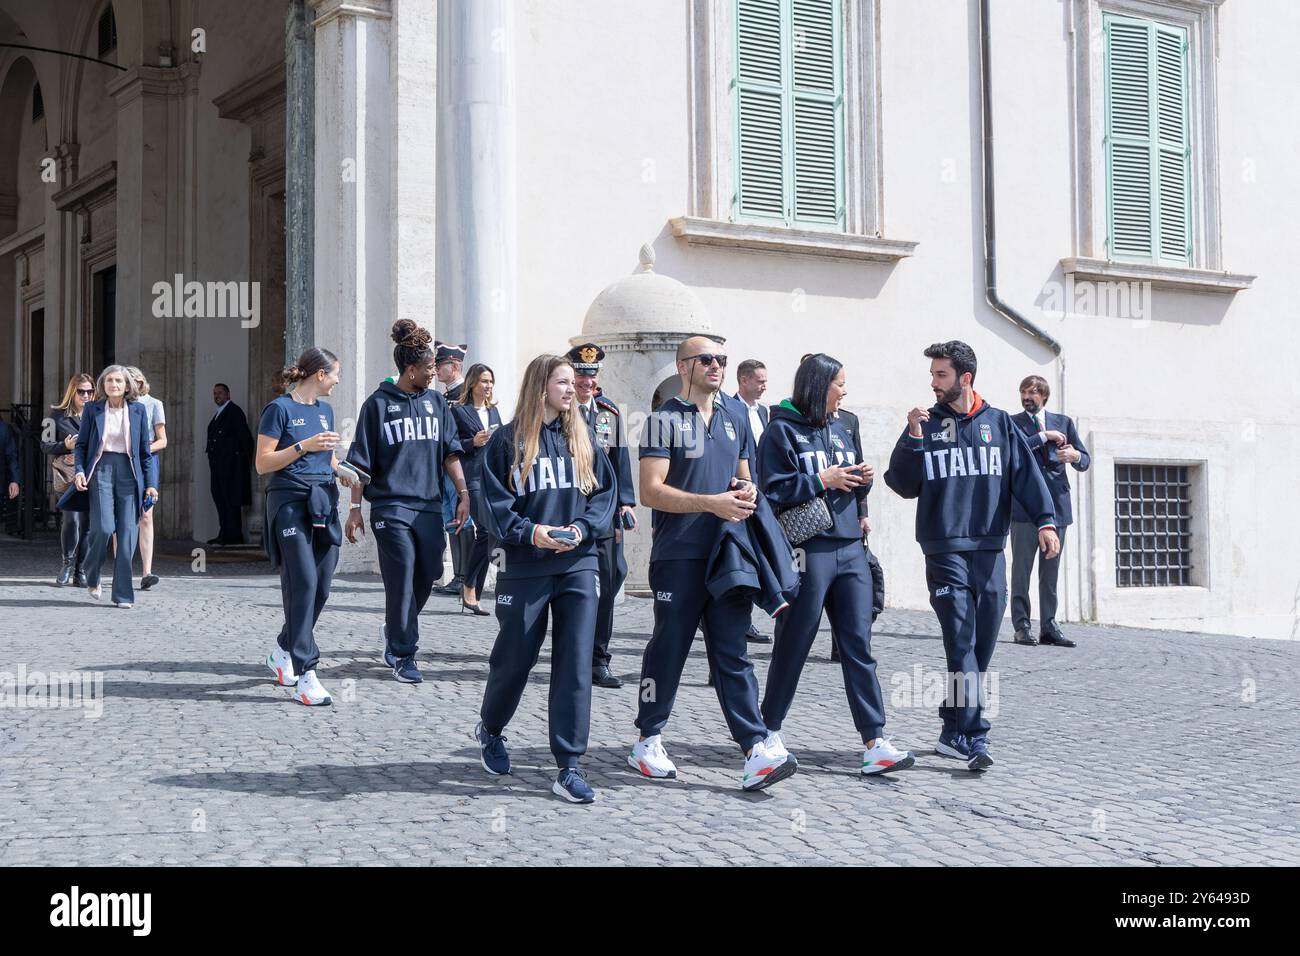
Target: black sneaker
406, 671
572, 786
493, 746
979, 754
952, 744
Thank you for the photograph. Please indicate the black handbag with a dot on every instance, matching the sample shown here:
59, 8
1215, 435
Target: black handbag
808, 519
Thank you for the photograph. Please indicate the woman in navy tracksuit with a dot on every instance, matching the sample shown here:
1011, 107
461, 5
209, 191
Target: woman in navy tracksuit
476, 417
114, 464
545, 493
805, 453
405, 439
295, 446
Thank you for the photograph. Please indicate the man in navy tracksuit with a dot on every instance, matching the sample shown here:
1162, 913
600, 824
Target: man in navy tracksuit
407, 441
609, 436
1055, 443
695, 454
965, 462
534, 582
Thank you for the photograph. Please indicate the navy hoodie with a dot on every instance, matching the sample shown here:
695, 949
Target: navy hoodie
548, 495
791, 453
401, 441
966, 469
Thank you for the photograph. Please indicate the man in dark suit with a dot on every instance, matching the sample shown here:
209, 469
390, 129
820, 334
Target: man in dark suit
609, 435
230, 451
8, 460
1055, 443
751, 381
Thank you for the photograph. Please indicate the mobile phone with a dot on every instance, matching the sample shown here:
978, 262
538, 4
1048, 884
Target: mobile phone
492, 428
563, 534
149, 501
351, 472
626, 520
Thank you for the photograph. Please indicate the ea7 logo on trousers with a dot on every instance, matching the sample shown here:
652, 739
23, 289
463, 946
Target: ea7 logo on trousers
505, 598
942, 591
289, 532
665, 596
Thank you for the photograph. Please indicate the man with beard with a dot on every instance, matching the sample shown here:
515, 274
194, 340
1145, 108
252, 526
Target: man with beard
965, 462
1055, 443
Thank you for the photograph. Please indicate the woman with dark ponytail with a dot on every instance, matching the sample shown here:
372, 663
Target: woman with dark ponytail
295, 446
406, 438
807, 454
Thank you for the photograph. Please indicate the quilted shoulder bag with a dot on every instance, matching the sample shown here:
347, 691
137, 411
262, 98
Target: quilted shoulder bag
807, 519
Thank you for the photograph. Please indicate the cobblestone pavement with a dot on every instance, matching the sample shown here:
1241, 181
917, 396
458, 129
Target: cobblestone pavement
1138, 747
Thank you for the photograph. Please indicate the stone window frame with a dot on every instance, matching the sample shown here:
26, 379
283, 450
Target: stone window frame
713, 144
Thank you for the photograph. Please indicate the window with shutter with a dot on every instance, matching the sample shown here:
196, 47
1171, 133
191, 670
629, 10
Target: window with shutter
789, 113
1148, 149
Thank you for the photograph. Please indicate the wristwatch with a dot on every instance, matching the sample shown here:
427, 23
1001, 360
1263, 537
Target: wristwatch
355, 506
298, 447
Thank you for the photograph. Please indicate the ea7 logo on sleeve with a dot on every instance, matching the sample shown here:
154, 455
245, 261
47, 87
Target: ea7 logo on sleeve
378, 525
289, 532
665, 596
103, 909
505, 599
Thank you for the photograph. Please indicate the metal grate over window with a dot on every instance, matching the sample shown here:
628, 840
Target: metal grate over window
1153, 525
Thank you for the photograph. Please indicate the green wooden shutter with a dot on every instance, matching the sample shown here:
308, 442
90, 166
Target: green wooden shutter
1148, 158
790, 107
760, 112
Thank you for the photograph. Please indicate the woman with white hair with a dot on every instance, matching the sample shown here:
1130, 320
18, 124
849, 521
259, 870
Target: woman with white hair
157, 442
115, 464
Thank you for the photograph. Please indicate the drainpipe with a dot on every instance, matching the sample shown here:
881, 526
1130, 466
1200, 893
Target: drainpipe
990, 232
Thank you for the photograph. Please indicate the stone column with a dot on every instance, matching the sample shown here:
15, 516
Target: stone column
476, 258
353, 206
299, 179
156, 191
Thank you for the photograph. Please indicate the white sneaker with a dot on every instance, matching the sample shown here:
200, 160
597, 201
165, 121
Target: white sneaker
281, 664
124, 605
310, 692
764, 767
775, 744
649, 759
884, 757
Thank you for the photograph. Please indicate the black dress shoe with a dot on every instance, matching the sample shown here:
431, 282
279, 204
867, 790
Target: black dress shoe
754, 636
79, 579
1055, 639
475, 609
148, 581
65, 575
1025, 637
602, 676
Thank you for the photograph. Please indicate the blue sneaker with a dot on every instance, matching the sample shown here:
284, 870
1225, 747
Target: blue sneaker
390, 660
406, 671
572, 786
979, 754
952, 744
495, 759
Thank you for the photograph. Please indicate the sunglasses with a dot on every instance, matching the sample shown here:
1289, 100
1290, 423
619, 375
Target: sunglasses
708, 359
85, 391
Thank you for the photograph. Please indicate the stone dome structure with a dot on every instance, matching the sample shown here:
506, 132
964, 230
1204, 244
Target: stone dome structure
644, 304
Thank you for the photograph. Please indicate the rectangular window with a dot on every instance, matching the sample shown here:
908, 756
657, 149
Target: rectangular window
1147, 142
790, 113
1153, 525
107, 31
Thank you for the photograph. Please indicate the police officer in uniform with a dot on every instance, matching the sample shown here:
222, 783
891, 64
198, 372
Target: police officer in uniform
608, 434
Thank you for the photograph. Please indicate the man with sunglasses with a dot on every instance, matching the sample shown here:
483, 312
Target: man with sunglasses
695, 455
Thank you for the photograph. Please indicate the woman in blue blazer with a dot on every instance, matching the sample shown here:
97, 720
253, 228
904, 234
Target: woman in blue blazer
476, 418
114, 464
